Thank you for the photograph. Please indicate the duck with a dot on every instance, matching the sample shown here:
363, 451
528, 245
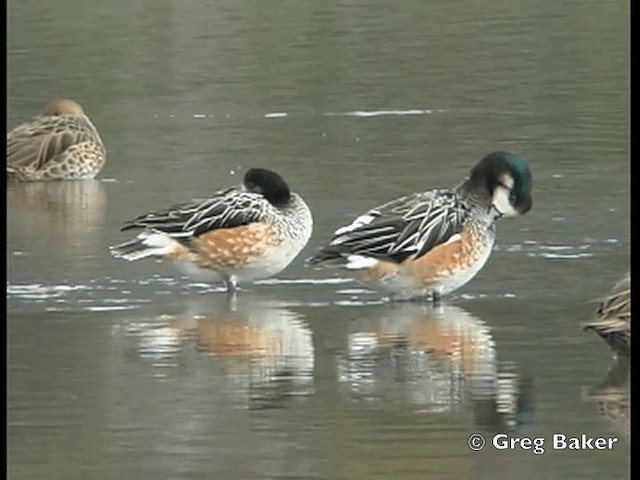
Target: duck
427, 244
60, 144
612, 321
240, 234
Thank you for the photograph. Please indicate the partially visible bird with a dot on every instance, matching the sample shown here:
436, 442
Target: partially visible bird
59, 144
244, 233
613, 318
433, 242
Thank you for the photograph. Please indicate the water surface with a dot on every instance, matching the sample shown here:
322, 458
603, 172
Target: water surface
128, 370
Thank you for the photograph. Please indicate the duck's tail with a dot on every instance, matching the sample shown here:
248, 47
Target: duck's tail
149, 243
335, 257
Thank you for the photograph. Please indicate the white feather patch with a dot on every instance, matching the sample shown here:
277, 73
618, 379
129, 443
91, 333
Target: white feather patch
358, 262
159, 241
365, 219
454, 238
501, 202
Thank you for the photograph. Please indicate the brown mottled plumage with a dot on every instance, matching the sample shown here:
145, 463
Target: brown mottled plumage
613, 318
430, 243
59, 144
243, 233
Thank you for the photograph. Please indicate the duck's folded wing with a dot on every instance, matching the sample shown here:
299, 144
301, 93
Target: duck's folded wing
227, 209
40, 142
411, 225
429, 224
618, 303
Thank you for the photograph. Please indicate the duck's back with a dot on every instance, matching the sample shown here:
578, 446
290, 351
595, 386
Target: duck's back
53, 147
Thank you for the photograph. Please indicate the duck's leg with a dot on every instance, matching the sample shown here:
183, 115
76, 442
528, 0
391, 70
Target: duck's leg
232, 284
435, 298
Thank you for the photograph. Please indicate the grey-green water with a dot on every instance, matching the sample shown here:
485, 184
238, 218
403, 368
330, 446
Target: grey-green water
119, 370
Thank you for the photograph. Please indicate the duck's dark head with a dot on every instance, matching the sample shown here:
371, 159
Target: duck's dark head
268, 184
507, 179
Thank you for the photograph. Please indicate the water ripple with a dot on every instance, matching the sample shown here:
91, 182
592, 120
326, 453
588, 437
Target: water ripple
588, 248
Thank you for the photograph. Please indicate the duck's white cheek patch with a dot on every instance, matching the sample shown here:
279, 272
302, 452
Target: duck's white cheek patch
501, 202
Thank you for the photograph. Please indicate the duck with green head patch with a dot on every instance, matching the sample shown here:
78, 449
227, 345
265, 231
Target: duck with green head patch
431, 243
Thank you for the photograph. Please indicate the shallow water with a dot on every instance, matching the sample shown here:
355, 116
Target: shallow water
128, 370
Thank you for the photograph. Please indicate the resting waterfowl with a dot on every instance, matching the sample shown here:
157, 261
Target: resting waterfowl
613, 318
60, 144
244, 233
433, 242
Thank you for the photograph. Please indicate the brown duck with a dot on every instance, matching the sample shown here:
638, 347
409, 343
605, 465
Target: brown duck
613, 318
59, 144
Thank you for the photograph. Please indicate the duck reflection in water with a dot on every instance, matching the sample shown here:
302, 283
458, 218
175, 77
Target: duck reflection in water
437, 358
613, 397
262, 350
64, 215
263, 344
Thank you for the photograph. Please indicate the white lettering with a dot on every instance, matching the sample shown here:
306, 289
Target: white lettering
559, 441
583, 442
502, 441
600, 443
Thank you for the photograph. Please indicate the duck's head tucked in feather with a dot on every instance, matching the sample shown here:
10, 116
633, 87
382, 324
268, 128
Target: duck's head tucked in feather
268, 184
239, 234
60, 144
507, 179
63, 107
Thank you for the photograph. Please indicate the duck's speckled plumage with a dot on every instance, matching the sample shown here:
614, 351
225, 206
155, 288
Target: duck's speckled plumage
242, 233
613, 318
432, 242
60, 144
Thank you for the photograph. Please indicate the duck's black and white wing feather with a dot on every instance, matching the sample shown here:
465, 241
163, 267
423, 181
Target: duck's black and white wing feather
228, 209
182, 223
407, 226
